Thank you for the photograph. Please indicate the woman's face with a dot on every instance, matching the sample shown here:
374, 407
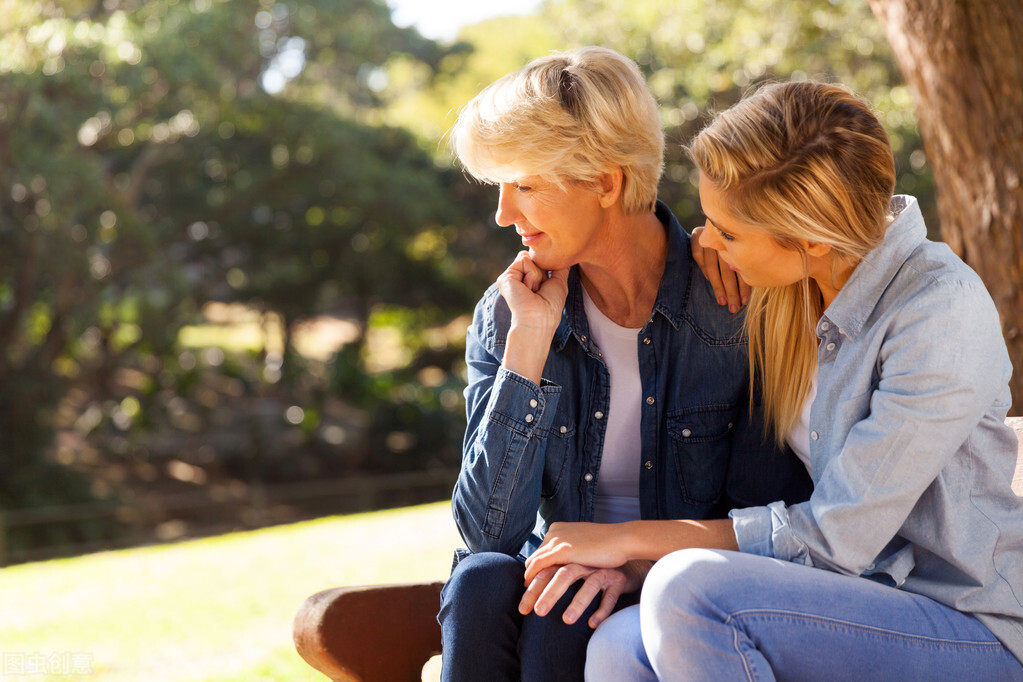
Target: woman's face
747, 249
558, 225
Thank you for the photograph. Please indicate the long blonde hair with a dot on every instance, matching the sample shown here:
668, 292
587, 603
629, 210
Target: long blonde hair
803, 161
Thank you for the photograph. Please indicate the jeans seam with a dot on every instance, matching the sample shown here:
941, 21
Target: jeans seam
747, 664
734, 619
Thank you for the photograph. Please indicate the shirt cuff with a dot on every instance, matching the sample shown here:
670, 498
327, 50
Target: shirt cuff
521, 405
752, 527
765, 531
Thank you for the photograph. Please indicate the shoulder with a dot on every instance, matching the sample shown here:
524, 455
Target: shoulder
936, 297
933, 276
686, 297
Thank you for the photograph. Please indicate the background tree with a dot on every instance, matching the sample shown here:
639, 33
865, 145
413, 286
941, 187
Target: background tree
187, 188
963, 62
700, 56
156, 157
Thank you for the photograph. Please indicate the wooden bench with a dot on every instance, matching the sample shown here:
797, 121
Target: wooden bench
388, 632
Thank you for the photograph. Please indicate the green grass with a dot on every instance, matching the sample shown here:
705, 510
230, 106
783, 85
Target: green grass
217, 609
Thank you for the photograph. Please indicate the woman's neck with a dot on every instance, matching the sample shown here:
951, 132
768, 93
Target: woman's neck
623, 283
831, 274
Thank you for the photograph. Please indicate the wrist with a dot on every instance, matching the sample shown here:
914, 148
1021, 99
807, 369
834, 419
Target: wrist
632, 541
526, 351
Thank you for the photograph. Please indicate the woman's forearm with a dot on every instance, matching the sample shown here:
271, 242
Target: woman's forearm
655, 539
612, 545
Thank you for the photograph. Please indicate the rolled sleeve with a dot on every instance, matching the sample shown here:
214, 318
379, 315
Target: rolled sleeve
765, 531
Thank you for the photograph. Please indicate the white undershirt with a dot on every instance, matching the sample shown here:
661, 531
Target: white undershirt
799, 436
617, 497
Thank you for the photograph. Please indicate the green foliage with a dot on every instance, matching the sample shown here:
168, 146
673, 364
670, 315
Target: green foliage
700, 56
159, 156
287, 158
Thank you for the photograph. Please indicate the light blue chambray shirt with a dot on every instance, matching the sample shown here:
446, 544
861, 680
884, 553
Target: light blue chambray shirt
911, 459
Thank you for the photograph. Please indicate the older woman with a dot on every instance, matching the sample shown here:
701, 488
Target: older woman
882, 363
605, 383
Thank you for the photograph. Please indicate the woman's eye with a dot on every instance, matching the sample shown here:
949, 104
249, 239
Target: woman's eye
724, 235
523, 188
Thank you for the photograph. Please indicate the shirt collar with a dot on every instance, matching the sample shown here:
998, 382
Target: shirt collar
670, 300
859, 296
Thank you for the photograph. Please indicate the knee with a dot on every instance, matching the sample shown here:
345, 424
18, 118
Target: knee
484, 582
683, 577
615, 651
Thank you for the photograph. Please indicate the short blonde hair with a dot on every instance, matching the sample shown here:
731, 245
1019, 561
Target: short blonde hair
803, 161
566, 117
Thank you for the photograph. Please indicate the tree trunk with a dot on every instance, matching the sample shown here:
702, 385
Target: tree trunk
963, 63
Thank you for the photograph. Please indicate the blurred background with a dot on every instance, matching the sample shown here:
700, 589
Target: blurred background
237, 260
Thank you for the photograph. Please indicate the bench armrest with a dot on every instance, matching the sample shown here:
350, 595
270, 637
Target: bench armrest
380, 632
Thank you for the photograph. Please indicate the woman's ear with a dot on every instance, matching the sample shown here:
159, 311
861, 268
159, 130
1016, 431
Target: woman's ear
817, 249
610, 185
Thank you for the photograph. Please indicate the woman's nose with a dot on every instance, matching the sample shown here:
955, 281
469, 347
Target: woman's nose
507, 213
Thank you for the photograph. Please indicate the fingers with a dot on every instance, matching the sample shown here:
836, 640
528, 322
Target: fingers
534, 588
543, 558
533, 277
730, 282
549, 586
709, 264
744, 290
729, 288
607, 606
584, 596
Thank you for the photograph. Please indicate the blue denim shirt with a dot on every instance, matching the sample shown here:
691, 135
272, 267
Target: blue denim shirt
912, 461
532, 453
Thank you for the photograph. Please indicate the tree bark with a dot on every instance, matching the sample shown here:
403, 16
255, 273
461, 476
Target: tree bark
963, 63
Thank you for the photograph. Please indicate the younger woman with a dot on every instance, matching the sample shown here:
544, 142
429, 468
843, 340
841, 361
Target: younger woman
883, 365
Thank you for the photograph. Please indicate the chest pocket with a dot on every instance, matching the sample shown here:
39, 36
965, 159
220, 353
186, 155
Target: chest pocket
701, 442
559, 445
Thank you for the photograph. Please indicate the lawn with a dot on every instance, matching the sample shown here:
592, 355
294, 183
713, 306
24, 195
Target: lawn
216, 609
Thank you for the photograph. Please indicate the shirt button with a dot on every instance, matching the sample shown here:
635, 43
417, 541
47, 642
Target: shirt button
583, 338
814, 435
650, 400
825, 326
648, 464
731, 424
598, 415
533, 403
529, 419
564, 429
830, 346
686, 433
647, 340
587, 477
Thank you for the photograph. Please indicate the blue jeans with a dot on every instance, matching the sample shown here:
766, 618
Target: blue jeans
713, 615
486, 638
